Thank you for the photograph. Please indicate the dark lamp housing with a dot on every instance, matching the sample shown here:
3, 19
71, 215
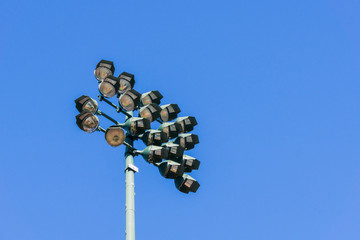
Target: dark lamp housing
87, 121
136, 126
154, 137
187, 123
109, 87
154, 154
127, 82
130, 100
187, 141
151, 97
85, 103
175, 151
171, 129
169, 112
186, 184
189, 163
114, 136
103, 69
171, 169
150, 111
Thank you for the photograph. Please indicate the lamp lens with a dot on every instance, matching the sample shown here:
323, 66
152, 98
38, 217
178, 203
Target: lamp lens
127, 103
146, 113
90, 124
182, 124
164, 115
174, 168
90, 106
150, 139
102, 72
182, 142
166, 131
114, 136
189, 162
107, 89
124, 86
146, 100
133, 128
188, 183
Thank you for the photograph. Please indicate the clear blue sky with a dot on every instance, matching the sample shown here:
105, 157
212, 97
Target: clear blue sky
274, 86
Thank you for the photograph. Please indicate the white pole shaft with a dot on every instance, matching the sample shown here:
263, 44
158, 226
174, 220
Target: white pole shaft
130, 196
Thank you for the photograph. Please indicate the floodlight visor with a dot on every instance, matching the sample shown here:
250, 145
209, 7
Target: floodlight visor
171, 129
103, 69
87, 121
127, 82
171, 169
187, 123
151, 97
154, 137
186, 184
175, 151
150, 111
169, 112
136, 126
109, 86
85, 103
187, 141
130, 100
189, 163
154, 154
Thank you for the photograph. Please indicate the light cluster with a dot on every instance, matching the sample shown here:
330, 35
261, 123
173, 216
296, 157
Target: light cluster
165, 145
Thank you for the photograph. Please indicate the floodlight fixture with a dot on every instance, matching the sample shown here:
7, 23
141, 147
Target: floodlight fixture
175, 150
172, 129
130, 100
168, 155
153, 154
127, 82
154, 137
87, 121
86, 103
109, 87
171, 169
137, 125
187, 140
115, 135
186, 184
187, 123
169, 112
103, 69
189, 163
151, 97
150, 111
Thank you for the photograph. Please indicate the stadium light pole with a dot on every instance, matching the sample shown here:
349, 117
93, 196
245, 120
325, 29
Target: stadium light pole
130, 190
159, 144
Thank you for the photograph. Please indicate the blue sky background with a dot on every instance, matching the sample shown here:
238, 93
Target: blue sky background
274, 86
